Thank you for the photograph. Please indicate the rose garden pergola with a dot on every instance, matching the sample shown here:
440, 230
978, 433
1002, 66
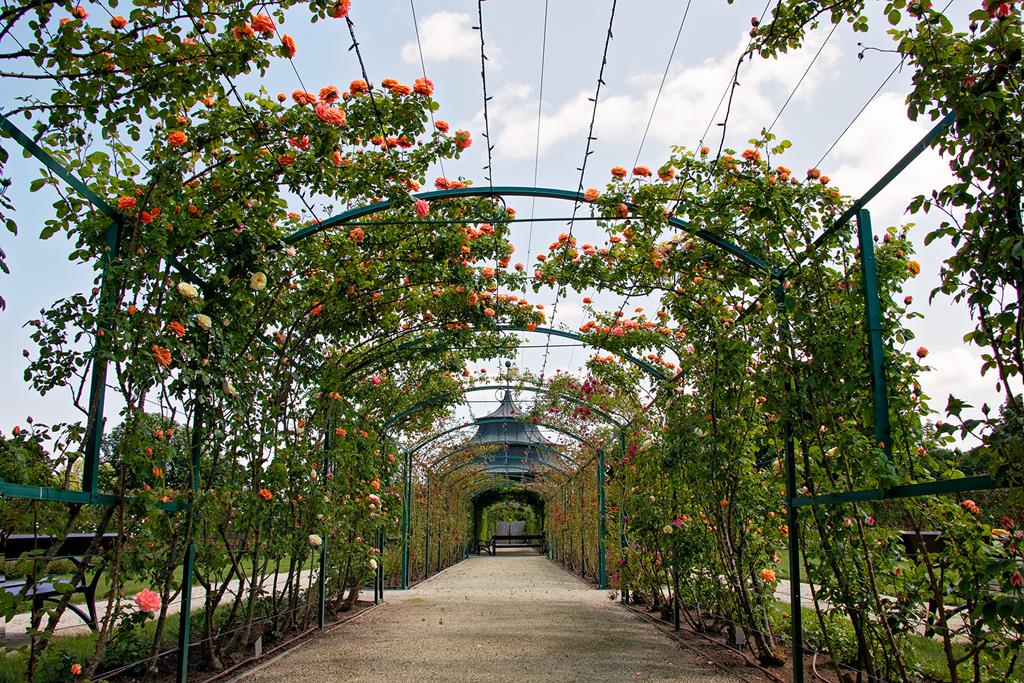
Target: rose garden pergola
458, 473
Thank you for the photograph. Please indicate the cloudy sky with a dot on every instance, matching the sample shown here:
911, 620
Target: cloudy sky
835, 88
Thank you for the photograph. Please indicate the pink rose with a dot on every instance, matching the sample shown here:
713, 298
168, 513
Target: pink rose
422, 207
147, 601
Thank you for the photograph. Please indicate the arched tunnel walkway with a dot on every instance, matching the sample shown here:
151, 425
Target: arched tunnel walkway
516, 616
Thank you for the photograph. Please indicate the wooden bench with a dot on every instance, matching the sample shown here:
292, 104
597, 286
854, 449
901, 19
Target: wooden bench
74, 548
519, 541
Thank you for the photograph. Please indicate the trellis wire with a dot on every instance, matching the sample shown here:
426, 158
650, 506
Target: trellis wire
536, 148
423, 67
60, 83
729, 84
861, 111
483, 80
661, 86
241, 101
583, 167
800, 81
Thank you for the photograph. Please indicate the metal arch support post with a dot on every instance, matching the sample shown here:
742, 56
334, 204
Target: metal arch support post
792, 512
321, 612
602, 560
623, 544
185, 611
873, 323
378, 574
406, 520
426, 536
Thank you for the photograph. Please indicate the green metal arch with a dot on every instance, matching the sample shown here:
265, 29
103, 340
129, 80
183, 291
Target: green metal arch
462, 449
642, 364
483, 420
518, 191
437, 398
566, 477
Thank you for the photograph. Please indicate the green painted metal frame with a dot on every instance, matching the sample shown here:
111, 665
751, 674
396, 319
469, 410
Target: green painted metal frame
438, 398
873, 325
464, 449
89, 494
482, 421
654, 372
602, 558
516, 191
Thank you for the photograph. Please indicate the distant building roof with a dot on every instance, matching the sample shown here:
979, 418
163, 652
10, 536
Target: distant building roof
518, 455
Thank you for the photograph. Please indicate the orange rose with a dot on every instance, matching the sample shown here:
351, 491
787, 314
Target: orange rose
358, 86
118, 22
618, 172
441, 125
124, 203
177, 328
288, 43
330, 115
341, 9
642, 171
177, 138
265, 494
329, 94
262, 23
162, 356
591, 194
303, 97
424, 87
76, 669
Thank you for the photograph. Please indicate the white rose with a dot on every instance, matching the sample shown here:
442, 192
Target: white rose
290, 251
258, 281
315, 540
204, 321
229, 388
373, 564
187, 290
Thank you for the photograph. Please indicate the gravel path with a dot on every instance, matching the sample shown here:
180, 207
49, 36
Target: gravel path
512, 617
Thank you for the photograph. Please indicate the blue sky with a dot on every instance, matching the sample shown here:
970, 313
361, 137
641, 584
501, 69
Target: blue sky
834, 89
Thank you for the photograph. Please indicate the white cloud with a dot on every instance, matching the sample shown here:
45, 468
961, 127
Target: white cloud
687, 101
879, 138
444, 35
957, 371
